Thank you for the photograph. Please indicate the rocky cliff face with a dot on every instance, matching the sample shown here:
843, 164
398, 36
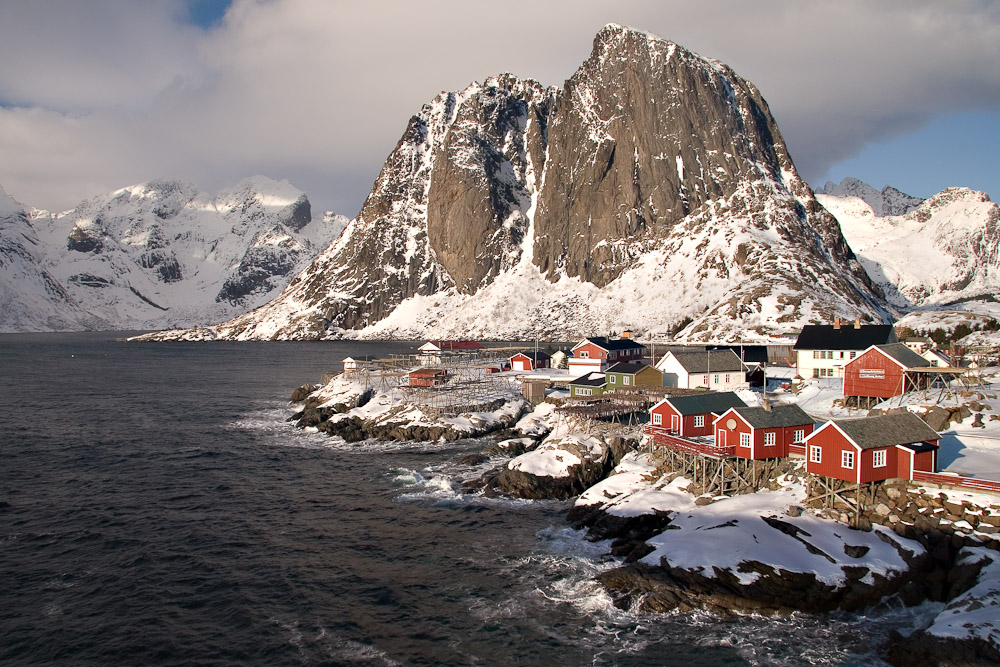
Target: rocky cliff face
654, 188
164, 254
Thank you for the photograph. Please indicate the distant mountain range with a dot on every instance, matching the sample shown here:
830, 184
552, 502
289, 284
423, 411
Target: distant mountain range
652, 191
155, 256
933, 253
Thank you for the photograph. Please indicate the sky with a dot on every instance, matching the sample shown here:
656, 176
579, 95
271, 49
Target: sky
99, 95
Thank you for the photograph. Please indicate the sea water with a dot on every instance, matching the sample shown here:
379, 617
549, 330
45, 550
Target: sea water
156, 508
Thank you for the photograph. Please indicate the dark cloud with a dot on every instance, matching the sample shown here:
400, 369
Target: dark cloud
109, 93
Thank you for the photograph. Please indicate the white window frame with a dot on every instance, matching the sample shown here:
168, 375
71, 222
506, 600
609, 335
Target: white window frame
745, 439
626, 379
584, 354
612, 379
770, 439
584, 391
657, 419
879, 458
815, 454
847, 460
699, 421
798, 435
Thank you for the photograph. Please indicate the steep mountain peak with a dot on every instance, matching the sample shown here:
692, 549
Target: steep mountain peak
652, 188
887, 202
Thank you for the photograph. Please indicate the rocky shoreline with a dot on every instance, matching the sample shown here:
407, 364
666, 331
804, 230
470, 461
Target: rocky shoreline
912, 546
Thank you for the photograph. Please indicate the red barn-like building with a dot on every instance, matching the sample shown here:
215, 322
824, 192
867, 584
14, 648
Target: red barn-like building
530, 361
872, 449
762, 433
690, 416
597, 353
880, 371
427, 377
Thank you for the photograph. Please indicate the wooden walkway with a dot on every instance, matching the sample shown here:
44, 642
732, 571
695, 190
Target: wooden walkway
662, 436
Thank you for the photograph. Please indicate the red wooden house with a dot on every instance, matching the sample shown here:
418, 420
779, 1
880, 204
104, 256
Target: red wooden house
884, 371
762, 433
427, 377
530, 361
597, 353
872, 449
691, 416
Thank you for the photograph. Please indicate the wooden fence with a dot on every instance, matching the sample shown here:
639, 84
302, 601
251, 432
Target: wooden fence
959, 481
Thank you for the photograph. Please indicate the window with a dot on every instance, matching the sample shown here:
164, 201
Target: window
584, 354
841, 355
815, 354
815, 454
853, 354
612, 378
815, 372
699, 421
716, 379
626, 380
727, 378
847, 459
878, 458
657, 419
799, 435
744, 439
584, 392
769, 439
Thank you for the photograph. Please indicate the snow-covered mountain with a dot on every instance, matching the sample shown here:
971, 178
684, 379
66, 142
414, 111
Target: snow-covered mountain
31, 299
158, 255
943, 251
652, 190
889, 201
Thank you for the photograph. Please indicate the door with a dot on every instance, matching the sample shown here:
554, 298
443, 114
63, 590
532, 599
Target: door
675, 423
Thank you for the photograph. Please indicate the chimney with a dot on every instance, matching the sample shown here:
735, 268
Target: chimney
766, 404
836, 323
626, 334
857, 323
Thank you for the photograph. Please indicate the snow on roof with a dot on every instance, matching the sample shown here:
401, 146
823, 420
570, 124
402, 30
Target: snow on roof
611, 343
706, 361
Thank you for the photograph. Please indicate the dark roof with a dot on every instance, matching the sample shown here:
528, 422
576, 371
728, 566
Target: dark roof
904, 355
826, 337
887, 430
590, 380
705, 361
532, 354
700, 404
628, 368
612, 343
779, 416
920, 447
755, 354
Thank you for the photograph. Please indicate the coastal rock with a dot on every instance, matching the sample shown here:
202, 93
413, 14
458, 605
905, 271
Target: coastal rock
559, 468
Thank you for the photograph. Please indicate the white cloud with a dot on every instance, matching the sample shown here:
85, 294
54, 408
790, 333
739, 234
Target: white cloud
109, 92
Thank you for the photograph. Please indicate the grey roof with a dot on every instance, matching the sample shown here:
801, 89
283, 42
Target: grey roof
887, 430
628, 368
845, 337
904, 355
700, 404
703, 361
779, 416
